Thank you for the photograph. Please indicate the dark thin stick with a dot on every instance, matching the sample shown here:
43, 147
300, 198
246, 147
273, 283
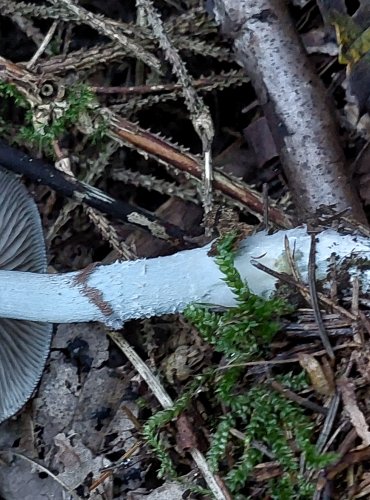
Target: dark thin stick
314, 298
291, 262
298, 399
265, 196
288, 279
328, 424
44, 173
355, 295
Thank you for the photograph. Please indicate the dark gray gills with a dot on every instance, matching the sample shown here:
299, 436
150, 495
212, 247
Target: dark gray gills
24, 345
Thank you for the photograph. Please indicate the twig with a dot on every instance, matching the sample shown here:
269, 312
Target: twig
169, 154
256, 444
355, 296
328, 423
267, 362
292, 266
287, 279
43, 173
200, 83
108, 471
296, 398
314, 298
44, 44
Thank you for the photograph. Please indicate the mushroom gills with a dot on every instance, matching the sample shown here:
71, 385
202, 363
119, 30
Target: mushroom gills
24, 345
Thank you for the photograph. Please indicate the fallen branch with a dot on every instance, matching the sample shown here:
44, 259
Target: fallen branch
294, 101
43, 173
121, 291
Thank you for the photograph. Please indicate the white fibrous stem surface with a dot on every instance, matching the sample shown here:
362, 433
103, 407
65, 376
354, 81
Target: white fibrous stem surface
122, 291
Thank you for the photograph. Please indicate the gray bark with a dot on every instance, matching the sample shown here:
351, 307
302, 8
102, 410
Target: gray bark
295, 102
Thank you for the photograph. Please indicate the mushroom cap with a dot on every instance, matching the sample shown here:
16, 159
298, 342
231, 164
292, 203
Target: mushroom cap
24, 345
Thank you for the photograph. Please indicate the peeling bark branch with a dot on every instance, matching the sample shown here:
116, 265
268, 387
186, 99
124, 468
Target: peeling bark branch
121, 291
295, 103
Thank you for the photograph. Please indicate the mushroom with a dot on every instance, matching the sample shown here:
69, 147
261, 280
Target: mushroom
24, 344
122, 291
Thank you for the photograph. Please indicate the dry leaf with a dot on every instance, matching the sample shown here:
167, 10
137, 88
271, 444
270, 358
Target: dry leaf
319, 380
185, 437
259, 138
355, 414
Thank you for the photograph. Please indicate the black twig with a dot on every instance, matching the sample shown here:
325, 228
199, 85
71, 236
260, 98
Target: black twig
285, 278
306, 403
314, 298
43, 173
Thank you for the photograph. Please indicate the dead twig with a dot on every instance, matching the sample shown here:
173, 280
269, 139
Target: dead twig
288, 279
297, 399
41, 172
163, 151
314, 298
328, 423
43, 45
295, 103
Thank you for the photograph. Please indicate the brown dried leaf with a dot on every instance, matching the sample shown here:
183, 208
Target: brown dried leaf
237, 160
186, 439
259, 138
320, 381
355, 414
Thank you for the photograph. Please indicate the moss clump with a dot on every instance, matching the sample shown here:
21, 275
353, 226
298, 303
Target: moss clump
43, 125
241, 334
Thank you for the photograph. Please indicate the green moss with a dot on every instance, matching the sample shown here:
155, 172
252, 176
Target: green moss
77, 103
9, 90
58, 117
241, 334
